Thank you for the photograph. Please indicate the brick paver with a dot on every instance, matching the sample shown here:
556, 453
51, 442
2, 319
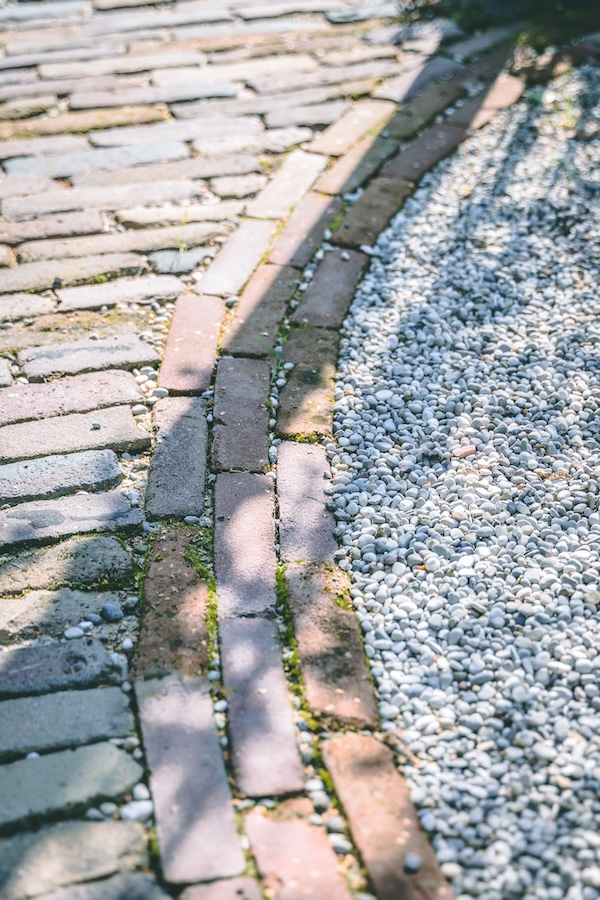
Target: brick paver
232, 889
289, 185
261, 309
424, 152
357, 166
241, 430
382, 818
140, 290
343, 134
331, 290
306, 402
303, 232
260, 710
53, 476
194, 813
237, 261
191, 349
371, 213
305, 524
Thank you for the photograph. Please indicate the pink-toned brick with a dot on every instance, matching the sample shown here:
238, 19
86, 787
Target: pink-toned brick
260, 311
191, 349
357, 166
424, 152
241, 430
305, 524
361, 118
306, 402
303, 231
288, 185
238, 259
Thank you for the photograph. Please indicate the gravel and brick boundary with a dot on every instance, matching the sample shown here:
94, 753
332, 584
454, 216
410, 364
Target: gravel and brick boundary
190, 195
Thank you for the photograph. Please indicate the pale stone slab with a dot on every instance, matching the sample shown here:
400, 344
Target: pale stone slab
52, 273
21, 306
119, 351
194, 813
217, 127
67, 164
130, 886
146, 289
35, 863
306, 525
64, 782
54, 476
65, 719
114, 429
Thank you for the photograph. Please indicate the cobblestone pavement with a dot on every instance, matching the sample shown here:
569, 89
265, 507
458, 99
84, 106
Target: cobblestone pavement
189, 198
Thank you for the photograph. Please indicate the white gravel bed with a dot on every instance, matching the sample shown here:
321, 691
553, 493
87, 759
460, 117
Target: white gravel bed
466, 480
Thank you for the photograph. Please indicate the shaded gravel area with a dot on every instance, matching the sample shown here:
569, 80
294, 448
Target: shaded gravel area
466, 481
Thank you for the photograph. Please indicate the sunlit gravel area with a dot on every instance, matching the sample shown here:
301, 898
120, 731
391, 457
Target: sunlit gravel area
466, 481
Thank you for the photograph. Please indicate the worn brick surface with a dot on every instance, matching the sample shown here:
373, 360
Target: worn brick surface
477, 43
260, 711
335, 676
260, 311
303, 232
66, 225
173, 636
142, 62
97, 561
132, 885
415, 114
51, 273
245, 570
194, 813
146, 289
368, 217
81, 121
241, 430
382, 818
319, 114
77, 393
357, 166
361, 118
305, 524
238, 259
288, 185
191, 348
277, 140
102, 197
48, 612
54, 476
68, 852
424, 152
42, 521
113, 429
409, 83
331, 290
306, 402
136, 240
232, 889
64, 719
178, 470
73, 357
475, 113
59, 667
295, 859
64, 782
67, 164
193, 168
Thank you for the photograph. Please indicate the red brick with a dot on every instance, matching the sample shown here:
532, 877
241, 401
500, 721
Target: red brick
71, 394
305, 524
357, 166
335, 677
361, 118
194, 814
295, 860
245, 560
238, 259
504, 91
43, 275
331, 290
306, 402
371, 213
415, 114
489, 66
191, 350
260, 311
65, 225
178, 470
303, 232
424, 152
288, 185
232, 889
264, 752
382, 819
409, 83
241, 430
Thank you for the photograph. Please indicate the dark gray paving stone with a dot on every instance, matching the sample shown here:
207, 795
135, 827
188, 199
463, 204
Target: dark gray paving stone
66, 782
48, 611
146, 289
122, 351
77, 393
241, 430
192, 801
33, 864
178, 472
37, 670
245, 569
121, 887
54, 476
61, 720
113, 429
96, 561
305, 524
260, 711
44, 521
